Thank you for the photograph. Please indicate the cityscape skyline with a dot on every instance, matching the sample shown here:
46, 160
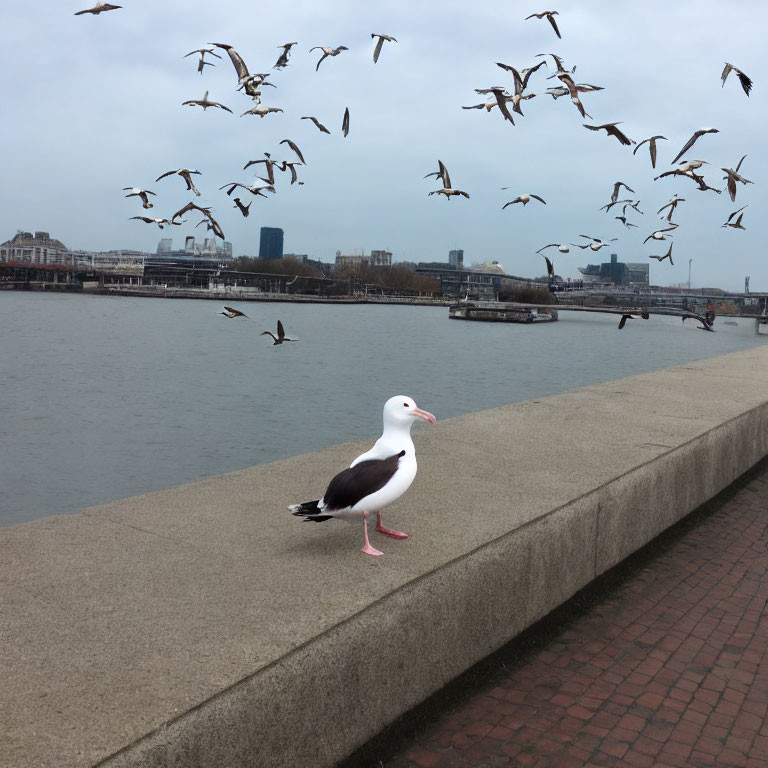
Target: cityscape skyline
119, 124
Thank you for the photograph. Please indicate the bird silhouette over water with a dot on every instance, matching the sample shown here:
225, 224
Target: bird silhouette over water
281, 337
232, 312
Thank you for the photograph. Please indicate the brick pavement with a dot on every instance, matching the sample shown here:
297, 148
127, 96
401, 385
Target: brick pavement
664, 662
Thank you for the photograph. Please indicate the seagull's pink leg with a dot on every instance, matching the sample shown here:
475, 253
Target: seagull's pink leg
388, 531
368, 549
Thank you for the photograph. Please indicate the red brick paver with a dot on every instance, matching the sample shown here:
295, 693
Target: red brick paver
670, 667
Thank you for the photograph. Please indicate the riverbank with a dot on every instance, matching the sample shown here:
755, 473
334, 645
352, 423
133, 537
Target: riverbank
203, 625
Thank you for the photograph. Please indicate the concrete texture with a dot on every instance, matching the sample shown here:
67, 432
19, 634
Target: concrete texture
204, 625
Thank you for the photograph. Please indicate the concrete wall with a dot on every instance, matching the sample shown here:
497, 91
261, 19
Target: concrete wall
205, 626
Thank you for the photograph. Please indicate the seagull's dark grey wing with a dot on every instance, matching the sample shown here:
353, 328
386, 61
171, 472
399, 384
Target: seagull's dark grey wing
353, 484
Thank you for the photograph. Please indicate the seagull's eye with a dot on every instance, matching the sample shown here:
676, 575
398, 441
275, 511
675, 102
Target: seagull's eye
405, 405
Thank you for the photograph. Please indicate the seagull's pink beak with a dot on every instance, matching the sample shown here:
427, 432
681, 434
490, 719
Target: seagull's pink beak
426, 415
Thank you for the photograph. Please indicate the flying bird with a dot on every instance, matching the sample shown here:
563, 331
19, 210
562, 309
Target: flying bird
550, 17
692, 141
611, 130
345, 123
317, 123
213, 224
254, 189
521, 78
448, 193
162, 223
202, 62
659, 233
293, 146
672, 204
651, 146
281, 337
379, 44
550, 267
99, 8
624, 319
501, 96
232, 312
562, 247
623, 220
733, 176
667, 255
244, 209
616, 187
142, 193
376, 478
442, 172
186, 174
746, 83
261, 110
205, 103
282, 60
524, 199
737, 223
327, 51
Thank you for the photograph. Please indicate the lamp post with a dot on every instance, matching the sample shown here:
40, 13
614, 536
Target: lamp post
689, 273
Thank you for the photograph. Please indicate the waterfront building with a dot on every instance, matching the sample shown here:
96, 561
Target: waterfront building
165, 245
616, 272
37, 248
456, 258
374, 258
271, 243
380, 259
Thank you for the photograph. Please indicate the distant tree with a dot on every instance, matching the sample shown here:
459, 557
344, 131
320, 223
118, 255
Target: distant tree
287, 266
397, 278
524, 295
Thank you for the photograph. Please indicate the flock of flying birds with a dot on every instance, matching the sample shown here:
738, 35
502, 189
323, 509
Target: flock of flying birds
498, 97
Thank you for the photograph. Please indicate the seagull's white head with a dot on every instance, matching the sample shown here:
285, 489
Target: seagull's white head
403, 411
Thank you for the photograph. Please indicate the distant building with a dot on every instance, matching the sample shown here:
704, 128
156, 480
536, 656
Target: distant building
210, 247
380, 259
165, 245
271, 243
39, 248
456, 259
615, 272
343, 259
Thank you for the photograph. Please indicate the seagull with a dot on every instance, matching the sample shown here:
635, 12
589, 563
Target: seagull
616, 187
232, 312
667, 255
550, 267
142, 193
521, 78
202, 63
746, 83
376, 478
327, 51
562, 247
289, 166
442, 172
735, 224
254, 190
549, 15
293, 146
185, 174
345, 123
160, 222
281, 337
524, 199
379, 44
448, 193
205, 103
214, 225
672, 204
623, 220
317, 123
261, 110
652, 146
269, 165
692, 141
659, 233
244, 209
607, 207
282, 60
565, 77
237, 62
502, 97
635, 206
99, 8
624, 319
733, 176
611, 130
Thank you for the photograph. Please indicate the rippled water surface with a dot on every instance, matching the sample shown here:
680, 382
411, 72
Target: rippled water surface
106, 397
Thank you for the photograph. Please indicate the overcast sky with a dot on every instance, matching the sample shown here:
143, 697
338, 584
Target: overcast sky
92, 104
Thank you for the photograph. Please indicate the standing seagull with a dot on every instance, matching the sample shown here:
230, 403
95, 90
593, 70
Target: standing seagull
376, 478
652, 146
549, 15
281, 337
327, 51
746, 83
99, 8
379, 44
692, 141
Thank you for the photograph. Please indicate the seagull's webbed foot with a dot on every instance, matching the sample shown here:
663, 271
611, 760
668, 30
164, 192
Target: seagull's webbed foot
388, 531
367, 548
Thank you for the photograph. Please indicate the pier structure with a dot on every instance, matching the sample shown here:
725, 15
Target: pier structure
203, 625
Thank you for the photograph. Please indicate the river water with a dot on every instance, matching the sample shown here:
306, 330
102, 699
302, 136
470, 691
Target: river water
108, 397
